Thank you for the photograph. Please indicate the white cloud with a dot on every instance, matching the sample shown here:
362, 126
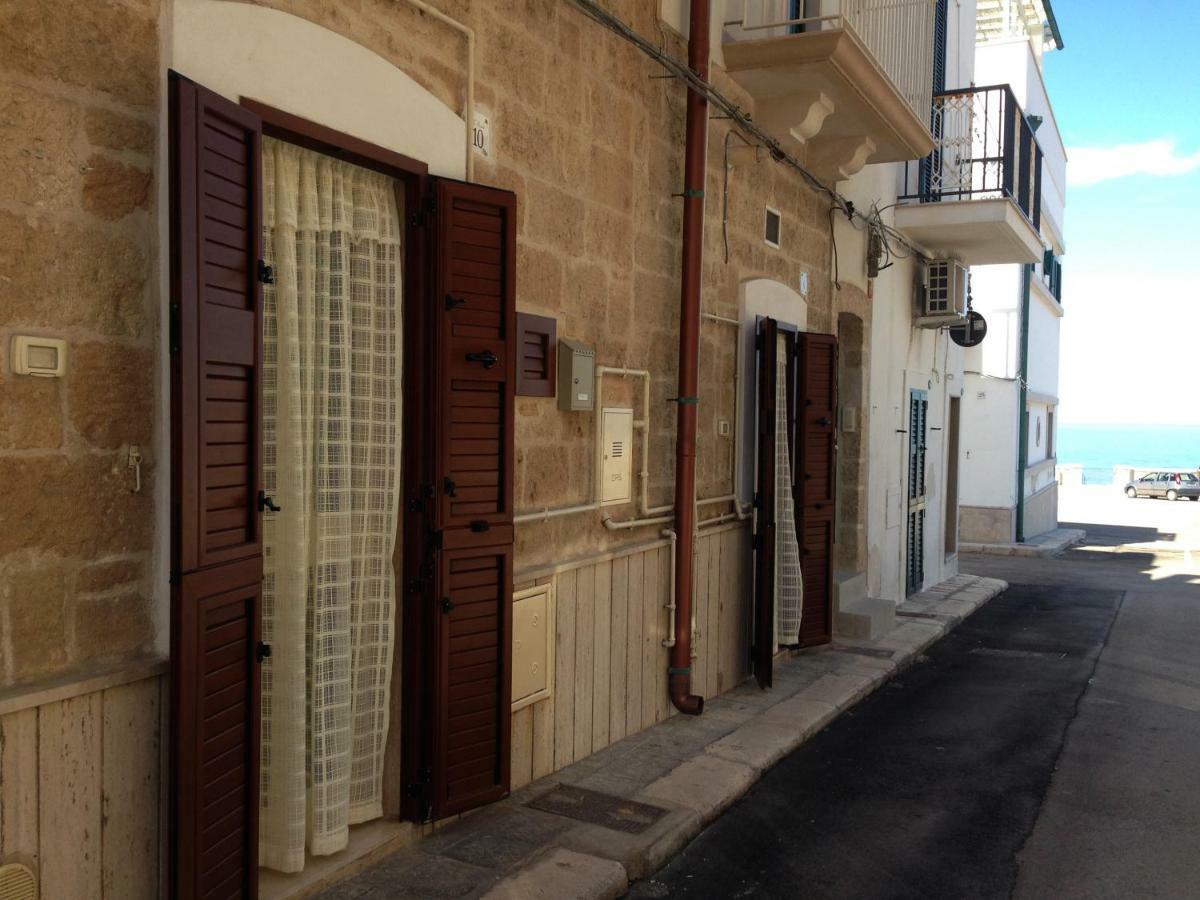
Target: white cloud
1092, 165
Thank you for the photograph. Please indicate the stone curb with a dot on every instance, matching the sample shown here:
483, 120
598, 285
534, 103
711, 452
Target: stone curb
693, 768
564, 874
1063, 538
709, 783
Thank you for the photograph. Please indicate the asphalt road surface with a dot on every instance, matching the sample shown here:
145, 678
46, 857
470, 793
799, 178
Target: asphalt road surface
1048, 747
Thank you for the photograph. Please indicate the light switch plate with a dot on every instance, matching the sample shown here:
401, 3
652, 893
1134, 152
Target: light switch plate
39, 356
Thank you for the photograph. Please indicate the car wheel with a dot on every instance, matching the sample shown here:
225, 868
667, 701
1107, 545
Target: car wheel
1131, 492
1172, 495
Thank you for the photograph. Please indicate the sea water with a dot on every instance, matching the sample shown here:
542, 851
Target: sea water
1100, 447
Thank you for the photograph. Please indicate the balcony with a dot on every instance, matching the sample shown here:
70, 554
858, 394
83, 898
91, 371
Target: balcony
847, 88
977, 197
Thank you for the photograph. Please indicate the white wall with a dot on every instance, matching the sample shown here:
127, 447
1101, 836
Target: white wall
989, 442
996, 294
903, 358
1037, 443
1044, 320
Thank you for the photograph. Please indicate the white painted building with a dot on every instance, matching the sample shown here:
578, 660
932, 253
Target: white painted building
1009, 490
916, 372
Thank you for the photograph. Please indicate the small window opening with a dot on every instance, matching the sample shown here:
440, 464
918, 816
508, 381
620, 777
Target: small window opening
771, 230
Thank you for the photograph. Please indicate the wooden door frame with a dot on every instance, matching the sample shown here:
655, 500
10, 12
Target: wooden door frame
412, 588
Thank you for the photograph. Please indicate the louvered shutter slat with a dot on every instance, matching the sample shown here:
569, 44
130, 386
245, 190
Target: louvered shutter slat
215, 464
477, 369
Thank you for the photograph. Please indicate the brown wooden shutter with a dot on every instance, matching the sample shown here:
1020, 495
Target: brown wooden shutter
474, 293
815, 502
216, 442
763, 651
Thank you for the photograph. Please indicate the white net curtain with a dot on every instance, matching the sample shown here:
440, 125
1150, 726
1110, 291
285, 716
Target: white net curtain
789, 583
331, 440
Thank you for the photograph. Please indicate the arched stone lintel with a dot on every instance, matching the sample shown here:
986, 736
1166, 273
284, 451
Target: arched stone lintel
241, 50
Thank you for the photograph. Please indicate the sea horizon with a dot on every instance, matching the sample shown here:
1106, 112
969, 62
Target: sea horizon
1099, 447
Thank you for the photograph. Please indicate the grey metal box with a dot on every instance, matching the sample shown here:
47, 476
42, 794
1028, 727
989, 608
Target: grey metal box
576, 375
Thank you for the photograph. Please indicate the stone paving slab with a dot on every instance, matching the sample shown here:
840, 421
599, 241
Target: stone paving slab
564, 875
693, 767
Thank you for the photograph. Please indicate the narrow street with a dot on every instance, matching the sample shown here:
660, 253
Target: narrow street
1046, 748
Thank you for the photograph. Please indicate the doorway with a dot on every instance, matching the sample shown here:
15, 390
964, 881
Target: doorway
447, 480
918, 410
952, 426
796, 473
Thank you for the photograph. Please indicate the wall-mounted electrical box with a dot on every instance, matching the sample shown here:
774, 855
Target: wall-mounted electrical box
43, 357
576, 375
533, 645
616, 471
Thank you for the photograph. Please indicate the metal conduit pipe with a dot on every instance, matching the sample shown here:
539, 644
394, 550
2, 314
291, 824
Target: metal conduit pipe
670, 535
643, 425
648, 514
679, 674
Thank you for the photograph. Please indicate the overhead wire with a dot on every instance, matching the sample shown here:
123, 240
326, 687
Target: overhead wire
744, 123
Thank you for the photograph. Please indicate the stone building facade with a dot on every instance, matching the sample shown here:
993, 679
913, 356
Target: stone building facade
588, 135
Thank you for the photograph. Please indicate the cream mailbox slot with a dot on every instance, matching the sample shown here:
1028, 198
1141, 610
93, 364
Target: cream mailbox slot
533, 645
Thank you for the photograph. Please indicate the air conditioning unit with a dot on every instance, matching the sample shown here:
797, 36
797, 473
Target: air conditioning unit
944, 297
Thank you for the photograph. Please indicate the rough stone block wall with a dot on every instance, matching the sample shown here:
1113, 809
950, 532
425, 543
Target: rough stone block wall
592, 143
79, 104
582, 130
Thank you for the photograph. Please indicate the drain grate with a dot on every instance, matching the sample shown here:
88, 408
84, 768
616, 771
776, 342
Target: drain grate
1006, 653
916, 615
596, 808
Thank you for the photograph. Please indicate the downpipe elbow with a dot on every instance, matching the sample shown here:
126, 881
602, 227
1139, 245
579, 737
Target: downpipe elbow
681, 697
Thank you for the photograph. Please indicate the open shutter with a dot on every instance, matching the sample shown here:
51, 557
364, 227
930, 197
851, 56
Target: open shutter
931, 165
474, 299
763, 650
216, 442
817, 446
918, 413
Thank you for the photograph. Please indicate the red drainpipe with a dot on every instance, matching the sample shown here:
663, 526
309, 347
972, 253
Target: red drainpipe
695, 164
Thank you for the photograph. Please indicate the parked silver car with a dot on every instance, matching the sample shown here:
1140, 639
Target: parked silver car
1172, 485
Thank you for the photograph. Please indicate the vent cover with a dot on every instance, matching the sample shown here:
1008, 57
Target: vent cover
771, 227
536, 344
17, 883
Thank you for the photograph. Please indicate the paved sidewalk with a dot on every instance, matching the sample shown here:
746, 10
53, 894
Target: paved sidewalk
1051, 543
655, 790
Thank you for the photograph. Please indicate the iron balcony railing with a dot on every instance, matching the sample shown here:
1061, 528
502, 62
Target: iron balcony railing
984, 148
898, 33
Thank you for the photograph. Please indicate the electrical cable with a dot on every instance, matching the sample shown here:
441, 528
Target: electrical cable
740, 119
837, 280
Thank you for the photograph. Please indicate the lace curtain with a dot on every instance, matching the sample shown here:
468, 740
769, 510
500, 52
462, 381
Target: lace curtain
789, 583
331, 442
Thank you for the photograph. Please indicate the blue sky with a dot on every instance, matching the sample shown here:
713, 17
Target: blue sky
1126, 94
